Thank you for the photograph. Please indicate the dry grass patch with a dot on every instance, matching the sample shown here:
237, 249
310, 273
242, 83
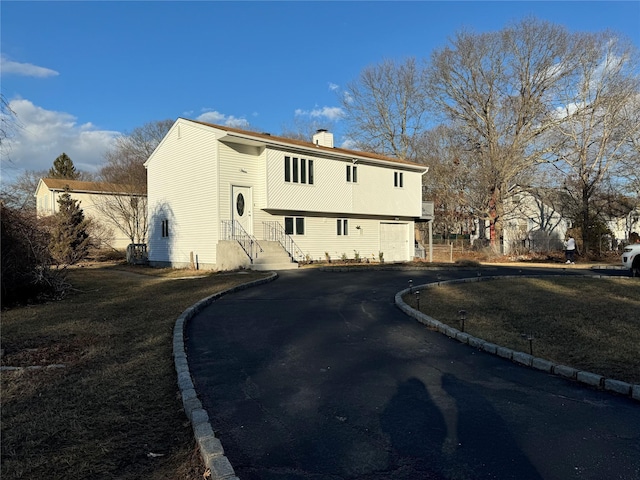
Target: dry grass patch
115, 402
589, 323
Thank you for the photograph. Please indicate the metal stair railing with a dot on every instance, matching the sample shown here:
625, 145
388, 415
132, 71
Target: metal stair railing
274, 232
232, 230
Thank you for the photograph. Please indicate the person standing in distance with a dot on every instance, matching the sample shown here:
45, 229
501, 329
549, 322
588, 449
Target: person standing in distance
570, 249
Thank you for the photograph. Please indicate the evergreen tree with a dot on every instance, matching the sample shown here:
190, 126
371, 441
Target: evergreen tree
69, 239
63, 168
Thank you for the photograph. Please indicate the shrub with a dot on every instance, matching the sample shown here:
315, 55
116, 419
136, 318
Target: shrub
26, 273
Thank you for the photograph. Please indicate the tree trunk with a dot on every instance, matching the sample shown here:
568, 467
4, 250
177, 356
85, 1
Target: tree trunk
585, 220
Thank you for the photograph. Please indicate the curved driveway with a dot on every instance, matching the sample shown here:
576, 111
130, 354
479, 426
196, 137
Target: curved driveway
319, 376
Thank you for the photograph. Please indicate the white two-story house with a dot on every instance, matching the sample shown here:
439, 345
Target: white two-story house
533, 221
223, 198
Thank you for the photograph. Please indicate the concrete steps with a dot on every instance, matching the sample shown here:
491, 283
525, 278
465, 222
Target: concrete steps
273, 257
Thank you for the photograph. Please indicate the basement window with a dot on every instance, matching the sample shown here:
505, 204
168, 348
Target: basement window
342, 226
294, 225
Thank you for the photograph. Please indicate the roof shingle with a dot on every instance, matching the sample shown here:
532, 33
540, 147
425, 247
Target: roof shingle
308, 145
90, 187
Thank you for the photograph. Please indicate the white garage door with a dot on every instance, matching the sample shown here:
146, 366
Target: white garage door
394, 243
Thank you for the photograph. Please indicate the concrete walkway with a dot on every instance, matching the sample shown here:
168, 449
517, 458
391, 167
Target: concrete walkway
319, 376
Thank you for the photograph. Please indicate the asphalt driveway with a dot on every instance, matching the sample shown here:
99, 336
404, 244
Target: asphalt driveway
319, 376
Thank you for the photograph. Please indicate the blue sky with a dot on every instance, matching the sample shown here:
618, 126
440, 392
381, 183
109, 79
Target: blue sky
80, 73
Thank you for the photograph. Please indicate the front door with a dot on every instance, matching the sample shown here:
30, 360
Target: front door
242, 208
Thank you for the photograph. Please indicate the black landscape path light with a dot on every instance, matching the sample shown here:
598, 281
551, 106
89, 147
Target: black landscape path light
530, 338
463, 317
418, 299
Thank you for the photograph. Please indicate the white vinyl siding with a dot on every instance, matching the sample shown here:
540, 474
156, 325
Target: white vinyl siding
370, 193
242, 166
321, 236
374, 194
326, 194
182, 178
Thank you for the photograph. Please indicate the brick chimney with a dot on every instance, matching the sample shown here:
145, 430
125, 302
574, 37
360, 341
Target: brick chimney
323, 138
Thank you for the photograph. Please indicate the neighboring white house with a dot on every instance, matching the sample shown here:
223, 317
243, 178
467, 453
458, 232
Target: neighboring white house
623, 227
532, 224
223, 198
93, 196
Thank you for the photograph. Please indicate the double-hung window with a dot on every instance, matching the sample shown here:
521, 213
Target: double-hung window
398, 180
352, 174
287, 169
298, 170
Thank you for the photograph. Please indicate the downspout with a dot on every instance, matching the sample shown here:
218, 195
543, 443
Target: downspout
430, 221
430, 242
216, 159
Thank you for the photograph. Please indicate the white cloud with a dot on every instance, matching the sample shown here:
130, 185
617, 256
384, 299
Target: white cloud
568, 110
330, 113
42, 135
213, 116
9, 67
349, 144
333, 87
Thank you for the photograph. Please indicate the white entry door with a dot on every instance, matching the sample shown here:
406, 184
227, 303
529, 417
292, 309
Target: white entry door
242, 207
394, 242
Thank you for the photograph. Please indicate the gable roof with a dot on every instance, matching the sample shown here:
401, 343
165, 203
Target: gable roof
269, 139
78, 186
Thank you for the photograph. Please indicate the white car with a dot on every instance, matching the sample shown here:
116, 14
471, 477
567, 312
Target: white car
631, 259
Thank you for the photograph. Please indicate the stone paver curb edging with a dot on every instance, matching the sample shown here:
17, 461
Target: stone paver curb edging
635, 392
211, 450
522, 358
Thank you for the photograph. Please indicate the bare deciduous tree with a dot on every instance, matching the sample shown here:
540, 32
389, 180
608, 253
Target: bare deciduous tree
126, 209
450, 179
125, 172
599, 125
125, 161
8, 125
303, 128
385, 108
498, 88
629, 169
20, 194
